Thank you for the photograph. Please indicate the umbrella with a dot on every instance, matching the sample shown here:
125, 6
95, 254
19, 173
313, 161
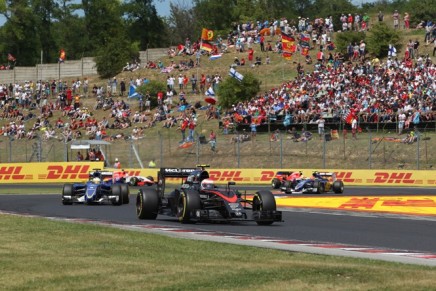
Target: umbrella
210, 100
265, 31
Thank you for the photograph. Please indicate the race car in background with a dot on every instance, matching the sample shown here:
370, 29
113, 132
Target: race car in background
198, 199
319, 183
101, 188
123, 177
284, 176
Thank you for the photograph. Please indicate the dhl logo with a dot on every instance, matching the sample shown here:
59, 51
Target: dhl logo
396, 178
346, 177
67, 172
11, 173
226, 176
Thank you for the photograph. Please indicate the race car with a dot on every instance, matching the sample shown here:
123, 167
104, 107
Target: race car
198, 199
320, 182
123, 177
101, 188
282, 176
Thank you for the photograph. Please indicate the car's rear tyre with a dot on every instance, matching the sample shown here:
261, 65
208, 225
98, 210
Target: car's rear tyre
116, 191
338, 187
133, 181
126, 193
319, 187
275, 183
264, 201
67, 191
147, 204
187, 203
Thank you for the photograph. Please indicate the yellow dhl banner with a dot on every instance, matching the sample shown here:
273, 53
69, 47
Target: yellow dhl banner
55, 172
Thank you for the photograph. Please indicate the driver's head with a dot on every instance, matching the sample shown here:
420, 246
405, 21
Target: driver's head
96, 180
207, 184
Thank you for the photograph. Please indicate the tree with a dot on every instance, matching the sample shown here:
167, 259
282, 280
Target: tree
379, 39
232, 91
113, 56
153, 87
182, 23
144, 25
213, 14
343, 39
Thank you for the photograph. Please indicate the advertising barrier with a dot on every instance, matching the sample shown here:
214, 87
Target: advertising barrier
17, 173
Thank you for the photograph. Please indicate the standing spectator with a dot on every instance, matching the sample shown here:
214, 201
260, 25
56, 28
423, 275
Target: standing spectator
183, 127
122, 87
262, 43
202, 83
321, 124
253, 130
380, 16
114, 86
212, 141
406, 20
152, 164
85, 87
194, 84
354, 127
191, 127
416, 48
180, 79
117, 164
396, 17
401, 122
250, 55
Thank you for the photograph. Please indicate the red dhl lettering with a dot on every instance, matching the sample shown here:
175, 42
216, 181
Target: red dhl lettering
225, 176
410, 203
357, 203
397, 178
11, 173
67, 172
345, 177
267, 175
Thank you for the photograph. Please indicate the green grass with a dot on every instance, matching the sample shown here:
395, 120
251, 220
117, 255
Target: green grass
38, 254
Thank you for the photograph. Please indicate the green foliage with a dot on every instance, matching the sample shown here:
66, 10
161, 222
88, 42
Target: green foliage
215, 14
153, 87
231, 91
343, 39
112, 58
182, 24
420, 10
379, 39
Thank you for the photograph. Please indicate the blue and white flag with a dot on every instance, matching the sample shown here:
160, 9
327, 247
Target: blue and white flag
132, 92
236, 75
392, 52
215, 57
210, 92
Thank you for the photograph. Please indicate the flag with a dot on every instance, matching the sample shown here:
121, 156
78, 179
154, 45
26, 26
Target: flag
304, 40
348, 115
236, 75
210, 92
392, 52
304, 51
287, 38
207, 46
287, 56
62, 56
206, 34
11, 58
215, 57
132, 92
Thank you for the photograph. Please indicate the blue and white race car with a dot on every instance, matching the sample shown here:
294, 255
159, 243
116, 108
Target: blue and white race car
101, 188
319, 183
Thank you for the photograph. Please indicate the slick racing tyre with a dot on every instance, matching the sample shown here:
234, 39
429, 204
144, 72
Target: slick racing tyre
147, 204
275, 183
264, 201
318, 187
187, 203
133, 181
125, 192
338, 187
67, 191
116, 191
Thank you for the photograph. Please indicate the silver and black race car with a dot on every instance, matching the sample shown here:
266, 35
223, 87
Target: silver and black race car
198, 199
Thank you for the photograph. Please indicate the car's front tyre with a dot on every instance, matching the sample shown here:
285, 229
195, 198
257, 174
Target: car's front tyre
67, 194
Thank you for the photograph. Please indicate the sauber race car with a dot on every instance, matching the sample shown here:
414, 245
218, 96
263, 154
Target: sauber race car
282, 177
320, 182
101, 188
198, 199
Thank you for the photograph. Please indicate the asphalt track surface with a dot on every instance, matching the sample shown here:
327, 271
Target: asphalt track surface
362, 229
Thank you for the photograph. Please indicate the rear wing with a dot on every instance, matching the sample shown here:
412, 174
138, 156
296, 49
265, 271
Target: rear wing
165, 173
328, 175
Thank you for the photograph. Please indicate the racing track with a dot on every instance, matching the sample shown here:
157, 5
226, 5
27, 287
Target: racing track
417, 234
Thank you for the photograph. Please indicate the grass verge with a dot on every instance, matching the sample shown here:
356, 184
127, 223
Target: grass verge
40, 254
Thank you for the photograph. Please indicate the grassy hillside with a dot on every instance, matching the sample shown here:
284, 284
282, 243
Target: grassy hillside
162, 144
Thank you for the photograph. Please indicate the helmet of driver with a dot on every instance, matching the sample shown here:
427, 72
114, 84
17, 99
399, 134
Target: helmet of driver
207, 184
96, 180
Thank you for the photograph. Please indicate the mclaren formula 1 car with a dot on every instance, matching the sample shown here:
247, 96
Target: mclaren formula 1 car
198, 199
320, 182
101, 188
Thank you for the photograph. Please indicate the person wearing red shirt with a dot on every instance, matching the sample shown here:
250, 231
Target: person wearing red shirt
69, 96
